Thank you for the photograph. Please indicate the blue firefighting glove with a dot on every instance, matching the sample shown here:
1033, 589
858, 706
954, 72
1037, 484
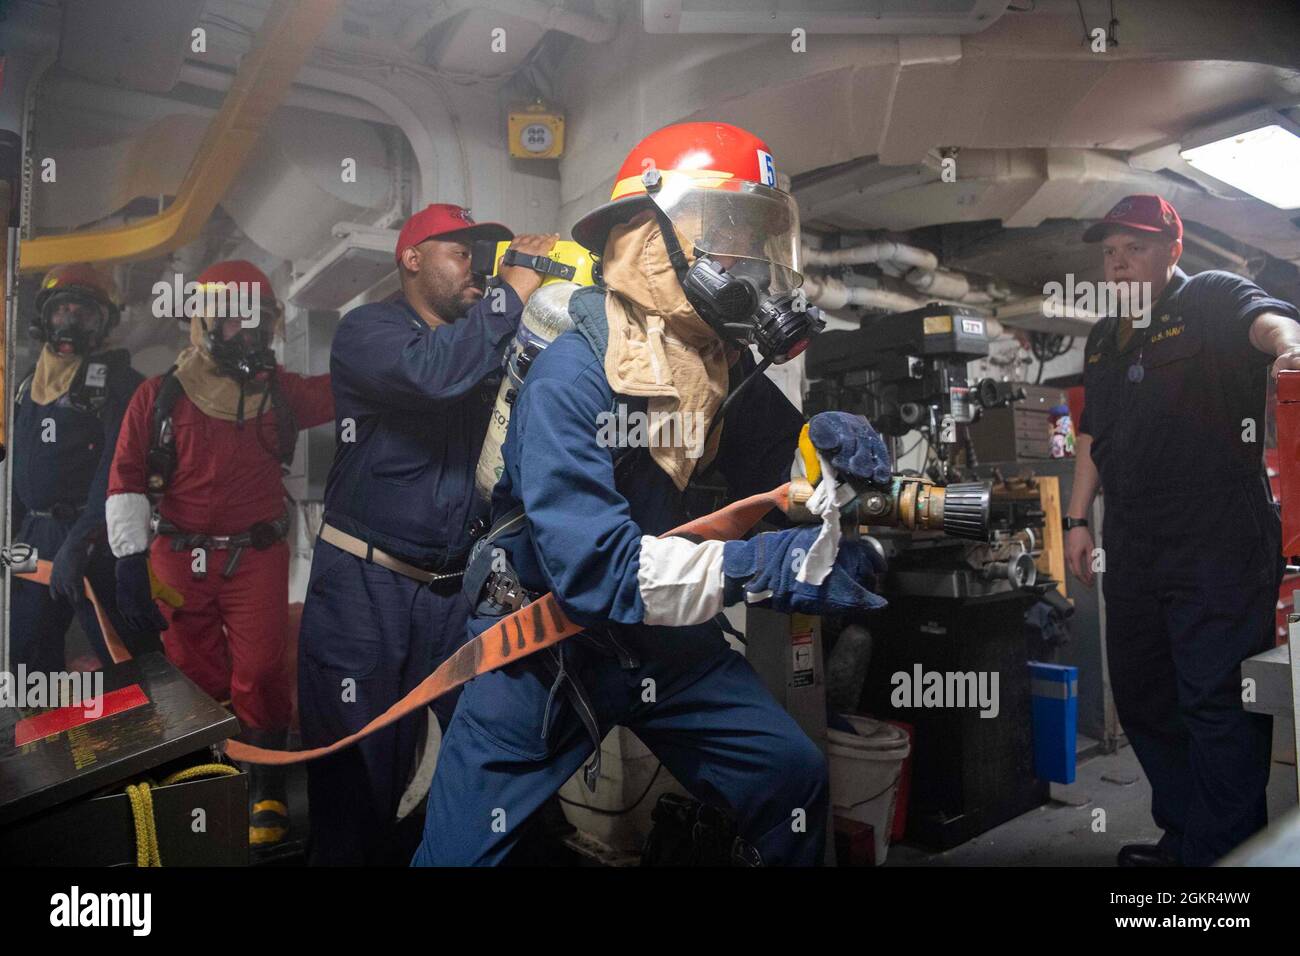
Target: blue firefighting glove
69, 569
853, 448
135, 595
768, 564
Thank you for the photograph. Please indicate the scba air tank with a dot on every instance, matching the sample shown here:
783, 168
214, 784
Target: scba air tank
545, 318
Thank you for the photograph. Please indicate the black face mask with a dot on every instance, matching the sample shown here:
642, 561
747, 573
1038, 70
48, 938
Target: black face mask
736, 307
241, 358
82, 338
779, 326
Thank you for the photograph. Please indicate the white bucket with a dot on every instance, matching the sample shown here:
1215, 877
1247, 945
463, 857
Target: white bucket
631, 782
865, 769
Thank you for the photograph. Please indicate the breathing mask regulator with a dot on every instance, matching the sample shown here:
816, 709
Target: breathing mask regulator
747, 302
246, 355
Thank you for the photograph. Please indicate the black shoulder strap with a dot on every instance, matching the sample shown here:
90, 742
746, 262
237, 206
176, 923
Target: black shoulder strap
161, 457
24, 387
168, 392
286, 425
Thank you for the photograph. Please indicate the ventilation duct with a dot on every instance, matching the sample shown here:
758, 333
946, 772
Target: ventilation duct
299, 181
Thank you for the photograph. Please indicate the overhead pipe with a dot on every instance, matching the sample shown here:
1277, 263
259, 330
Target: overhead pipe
299, 96
286, 37
431, 153
881, 250
828, 293
899, 260
939, 283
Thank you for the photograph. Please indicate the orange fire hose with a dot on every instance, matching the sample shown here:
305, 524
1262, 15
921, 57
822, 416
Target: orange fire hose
116, 649
532, 628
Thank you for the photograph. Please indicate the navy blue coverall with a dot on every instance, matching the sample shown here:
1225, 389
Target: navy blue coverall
60, 485
1192, 551
412, 406
516, 735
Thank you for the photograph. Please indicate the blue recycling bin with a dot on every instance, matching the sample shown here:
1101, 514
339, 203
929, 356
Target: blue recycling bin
1055, 690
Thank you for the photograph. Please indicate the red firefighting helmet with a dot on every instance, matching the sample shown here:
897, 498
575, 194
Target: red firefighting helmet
717, 183
80, 281
84, 278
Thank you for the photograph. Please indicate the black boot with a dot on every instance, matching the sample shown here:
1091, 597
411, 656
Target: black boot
1145, 854
268, 799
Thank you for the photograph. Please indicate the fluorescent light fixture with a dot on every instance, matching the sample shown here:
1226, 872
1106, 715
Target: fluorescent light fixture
1258, 153
821, 16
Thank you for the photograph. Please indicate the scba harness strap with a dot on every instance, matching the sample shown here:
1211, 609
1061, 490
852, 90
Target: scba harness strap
161, 457
91, 387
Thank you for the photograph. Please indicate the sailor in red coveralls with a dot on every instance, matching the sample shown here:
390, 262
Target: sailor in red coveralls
202, 446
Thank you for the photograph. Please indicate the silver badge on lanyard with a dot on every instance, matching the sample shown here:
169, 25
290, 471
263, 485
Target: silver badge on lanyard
1135, 373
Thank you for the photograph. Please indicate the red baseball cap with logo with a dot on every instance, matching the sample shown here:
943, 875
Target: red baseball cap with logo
442, 219
1145, 212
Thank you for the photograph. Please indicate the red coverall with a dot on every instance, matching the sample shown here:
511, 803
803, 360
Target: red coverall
229, 637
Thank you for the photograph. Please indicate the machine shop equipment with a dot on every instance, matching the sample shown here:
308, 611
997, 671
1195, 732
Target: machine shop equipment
908, 371
957, 602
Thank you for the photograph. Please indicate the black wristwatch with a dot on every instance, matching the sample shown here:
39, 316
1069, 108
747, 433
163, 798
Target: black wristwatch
1067, 522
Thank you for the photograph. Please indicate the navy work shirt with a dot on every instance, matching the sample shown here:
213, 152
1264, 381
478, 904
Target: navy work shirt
417, 400
66, 466
1177, 425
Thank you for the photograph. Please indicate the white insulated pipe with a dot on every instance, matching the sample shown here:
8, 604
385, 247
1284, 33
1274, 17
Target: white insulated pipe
828, 293
919, 266
882, 250
945, 285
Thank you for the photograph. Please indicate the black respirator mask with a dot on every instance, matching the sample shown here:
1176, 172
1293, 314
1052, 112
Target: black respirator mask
244, 357
78, 336
735, 304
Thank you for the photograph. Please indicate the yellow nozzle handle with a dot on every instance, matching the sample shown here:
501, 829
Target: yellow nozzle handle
812, 468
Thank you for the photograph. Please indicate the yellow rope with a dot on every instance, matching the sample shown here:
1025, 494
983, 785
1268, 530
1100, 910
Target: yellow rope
141, 797
146, 835
202, 770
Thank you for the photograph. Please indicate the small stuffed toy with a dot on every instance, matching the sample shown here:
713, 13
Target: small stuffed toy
1062, 431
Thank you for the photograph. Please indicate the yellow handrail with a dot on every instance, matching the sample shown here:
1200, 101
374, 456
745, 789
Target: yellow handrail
287, 36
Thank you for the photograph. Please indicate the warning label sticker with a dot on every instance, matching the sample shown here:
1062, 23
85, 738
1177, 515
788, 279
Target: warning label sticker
802, 670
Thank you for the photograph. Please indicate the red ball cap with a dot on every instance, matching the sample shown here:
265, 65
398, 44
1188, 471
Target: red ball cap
1145, 212
441, 219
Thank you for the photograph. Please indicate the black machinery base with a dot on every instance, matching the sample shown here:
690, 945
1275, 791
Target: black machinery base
969, 773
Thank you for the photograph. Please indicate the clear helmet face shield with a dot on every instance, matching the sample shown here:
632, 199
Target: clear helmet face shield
752, 229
